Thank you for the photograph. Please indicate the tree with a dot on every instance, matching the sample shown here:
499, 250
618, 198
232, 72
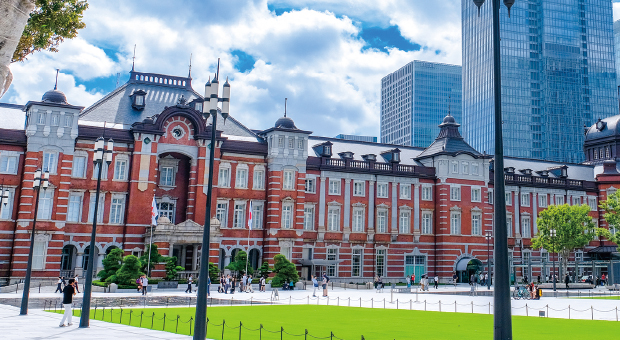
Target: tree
240, 263
264, 270
156, 258
574, 229
612, 215
285, 271
111, 263
171, 267
128, 273
214, 273
27, 26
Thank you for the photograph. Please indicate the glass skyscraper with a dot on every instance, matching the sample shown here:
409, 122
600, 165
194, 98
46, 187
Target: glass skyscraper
617, 49
558, 73
415, 99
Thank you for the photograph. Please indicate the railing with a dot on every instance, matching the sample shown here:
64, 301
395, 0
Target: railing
322, 163
516, 179
185, 274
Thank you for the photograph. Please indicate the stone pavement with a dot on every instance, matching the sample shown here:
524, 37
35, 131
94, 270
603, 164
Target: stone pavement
44, 325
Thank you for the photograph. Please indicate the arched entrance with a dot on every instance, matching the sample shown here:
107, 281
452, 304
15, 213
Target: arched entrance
467, 267
253, 259
67, 260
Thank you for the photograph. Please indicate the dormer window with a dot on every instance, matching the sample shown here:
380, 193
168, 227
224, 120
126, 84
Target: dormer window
346, 155
327, 151
392, 156
137, 99
509, 170
396, 157
564, 172
543, 173
527, 172
370, 157
324, 149
198, 106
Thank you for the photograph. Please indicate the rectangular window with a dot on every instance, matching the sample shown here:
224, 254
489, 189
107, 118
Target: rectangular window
224, 177
382, 221
380, 262
455, 223
257, 216
75, 208
287, 252
221, 213
91, 207
404, 222
465, 167
559, 200
166, 176
332, 255
356, 263
358, 219
474, 169
241, 179
116, 209
359, 188
509, 225
476, 194
287, 216
525, 199
427, 222
289, 180
120, 170
239, 215
8, 164
490, 196
476, 223
334, 187
427, 193
405, 191
50, 162
259, 179
592, 203
104, 173
455, 193
526, 227
166, 209
55, 120
576, 200
382, 190
542, 200
39, 252
42, 116
79, 167
455, 167
68, 120
309, 218
45, 205
509, 198
300, 144
6, 210
311, 185
281, 142
333, 218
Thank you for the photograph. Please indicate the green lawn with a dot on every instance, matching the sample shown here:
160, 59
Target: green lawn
352, 323
612, 297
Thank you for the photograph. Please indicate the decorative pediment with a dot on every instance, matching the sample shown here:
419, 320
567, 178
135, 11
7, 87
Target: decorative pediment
455, 208
476, 209
358, 205
334, 203
383, 206
405, 207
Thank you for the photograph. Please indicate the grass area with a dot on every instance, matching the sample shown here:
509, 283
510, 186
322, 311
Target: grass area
352, 323
612, 297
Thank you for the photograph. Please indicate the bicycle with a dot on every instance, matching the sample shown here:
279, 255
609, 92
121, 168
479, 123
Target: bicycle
521, 293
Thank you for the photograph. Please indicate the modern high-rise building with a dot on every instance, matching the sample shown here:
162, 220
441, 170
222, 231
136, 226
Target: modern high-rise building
415, 98
358, 138
617, 49
558, 74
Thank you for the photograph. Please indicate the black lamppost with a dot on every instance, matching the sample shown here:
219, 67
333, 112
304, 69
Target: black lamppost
38, 183
553, 234
211, 97
501, 294
488, 235
99, 157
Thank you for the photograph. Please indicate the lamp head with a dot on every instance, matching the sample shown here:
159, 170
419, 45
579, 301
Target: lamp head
109, 151
478, 3
37, 179
46, 179
226, 100
509, 4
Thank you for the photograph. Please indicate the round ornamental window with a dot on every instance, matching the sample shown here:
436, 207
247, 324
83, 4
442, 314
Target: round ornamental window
177, 132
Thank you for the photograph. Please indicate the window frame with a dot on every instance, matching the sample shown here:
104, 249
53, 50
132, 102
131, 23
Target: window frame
7, 211
356, 265
359, 188
334, 186
382, 216
309, 217
288, 180
383, 193
455, 223
405, 191
287, 216
53, 168
221, 213
455, 193
7, 168
429, 191
333, 218
404, 221
119, 216
426, 222
241, 176
310, 183
239, 214
120, 175
476, 194
91, 208
525, 199
258, 178
358, 219
476, 216
223, 175
543, 201
84, 161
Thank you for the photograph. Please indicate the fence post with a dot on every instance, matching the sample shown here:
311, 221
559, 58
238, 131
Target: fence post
328, 300
130, 313
338, 300
440, 305
489, 307
616, 313
223, 325
121, 318
191, 318
260, 332
306, 335
141, 314
592, 309
547, 310
164, 326
372, 303
331, 336
349, 301
152, 319
425, 305
396, 303
528, 314
360, 302
472, 307
240, 325
383, 303
569, 312
281, 332
455, 306
39, 288
290, 300
410, 304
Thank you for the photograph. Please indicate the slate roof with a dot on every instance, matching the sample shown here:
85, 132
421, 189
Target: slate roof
449, 142
575, 171
611, 128
359, 148
12, 117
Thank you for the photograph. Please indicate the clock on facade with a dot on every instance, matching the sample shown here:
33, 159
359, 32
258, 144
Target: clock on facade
177, 132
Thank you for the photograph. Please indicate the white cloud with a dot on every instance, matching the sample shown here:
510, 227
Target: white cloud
616, 10
313, 56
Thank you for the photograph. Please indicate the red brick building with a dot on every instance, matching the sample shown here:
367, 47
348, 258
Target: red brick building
351, 209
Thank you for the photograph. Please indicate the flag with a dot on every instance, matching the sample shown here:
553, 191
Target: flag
250, 216
154, 213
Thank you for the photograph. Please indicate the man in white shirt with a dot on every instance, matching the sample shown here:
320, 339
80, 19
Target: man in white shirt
145, 284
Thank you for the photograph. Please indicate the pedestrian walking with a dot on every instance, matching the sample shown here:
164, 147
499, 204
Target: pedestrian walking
67, 301
454, 278
248, 286
233, 283
324, 283
436, 282
190, 280
76, 284
262, 284
145, 283
243, 282
59, 285
315, 285
566, 280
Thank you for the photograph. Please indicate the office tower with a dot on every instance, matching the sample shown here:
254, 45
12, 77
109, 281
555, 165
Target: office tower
558, 74
617, 49
371, 139
415, 98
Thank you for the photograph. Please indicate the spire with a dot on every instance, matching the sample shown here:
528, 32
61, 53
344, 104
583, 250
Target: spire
449, 102
189, 75
285, 99
133, 63
56, 84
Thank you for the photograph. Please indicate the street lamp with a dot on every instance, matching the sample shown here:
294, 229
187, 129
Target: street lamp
553, 234
99, 157
502, 321
38, 183
4, 197
211, 96
488, 235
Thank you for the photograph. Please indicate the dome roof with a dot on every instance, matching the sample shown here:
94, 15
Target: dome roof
604, 128
449, 119
286, 123
54, 96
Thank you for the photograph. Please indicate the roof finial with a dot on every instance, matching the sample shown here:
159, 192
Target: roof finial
285, 99
133, 63
56, 84
189, 75
449, 102
218, 69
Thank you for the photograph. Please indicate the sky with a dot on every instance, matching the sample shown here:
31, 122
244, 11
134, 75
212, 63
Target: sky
326, 56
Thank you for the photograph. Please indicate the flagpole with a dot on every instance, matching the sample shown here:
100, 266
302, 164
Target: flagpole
247, 257
148, 266
154, 216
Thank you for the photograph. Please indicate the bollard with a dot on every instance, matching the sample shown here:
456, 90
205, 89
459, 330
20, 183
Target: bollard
164, 325
592, 309
383, 303
616, 313
472, 307
569, 312
372, 303
360, 302
240, 325
425, 305
281, 332
130, 313
331, 337
527, 313
547, 310
489, 308
39, 288
260, 331
306, 335
177, 329
152, 319
338, 301
141, 314
223, 324
290, 300
410, 303
349, 301
440, 305
396, 303
328, 301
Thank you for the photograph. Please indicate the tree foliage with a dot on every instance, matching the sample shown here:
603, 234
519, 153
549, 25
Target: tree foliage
171, 267
264, 270
574, 229
214, 273
612, 215
285, 271
111, 263
50, 23
128, 272
239, 264
156, 258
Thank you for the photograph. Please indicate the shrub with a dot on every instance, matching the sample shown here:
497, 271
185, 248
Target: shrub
111, 263
171, 268
128, 273
264, 270
156, 258
285, 271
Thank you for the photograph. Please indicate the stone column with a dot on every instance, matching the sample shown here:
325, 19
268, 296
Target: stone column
517, 220
534, 212
394, 208
194, 257
183, 255
416, 209
371, 205
347, 205
322, 204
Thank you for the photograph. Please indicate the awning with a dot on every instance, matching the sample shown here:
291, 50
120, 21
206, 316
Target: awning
462, 264
604, 250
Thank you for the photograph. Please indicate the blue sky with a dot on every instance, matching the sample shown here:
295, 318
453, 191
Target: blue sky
326, 56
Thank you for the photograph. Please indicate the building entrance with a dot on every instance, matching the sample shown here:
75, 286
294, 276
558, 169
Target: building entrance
467, 267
